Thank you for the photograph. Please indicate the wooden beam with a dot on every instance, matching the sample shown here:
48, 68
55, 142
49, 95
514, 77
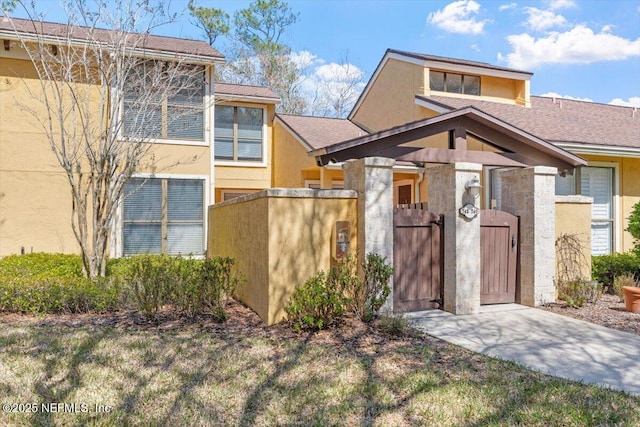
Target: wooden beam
440, 155
460, 138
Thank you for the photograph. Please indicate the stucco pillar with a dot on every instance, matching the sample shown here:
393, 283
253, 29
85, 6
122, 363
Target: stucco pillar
372, 179
447, 194
530, 194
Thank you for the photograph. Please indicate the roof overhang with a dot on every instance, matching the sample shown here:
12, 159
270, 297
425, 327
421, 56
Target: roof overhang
519, 147
27, 37
296, 135
224, 97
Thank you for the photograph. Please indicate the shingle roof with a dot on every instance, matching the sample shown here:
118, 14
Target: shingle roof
319, 132
561, 121
150, 42
455, 61
246, 91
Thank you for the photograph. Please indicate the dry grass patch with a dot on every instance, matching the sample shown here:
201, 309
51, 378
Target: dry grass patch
179, 372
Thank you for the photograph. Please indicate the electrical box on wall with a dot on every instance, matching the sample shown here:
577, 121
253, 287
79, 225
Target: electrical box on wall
340, 240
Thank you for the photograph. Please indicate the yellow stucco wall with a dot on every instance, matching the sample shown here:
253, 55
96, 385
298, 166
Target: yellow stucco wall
278, 243
390, 101
288, 152
35, 199
573, 217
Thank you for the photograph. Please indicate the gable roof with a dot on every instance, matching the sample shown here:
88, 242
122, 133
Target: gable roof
560, 121
12, 28
228, 91
456, 61
521, 148
438, 62
318, 132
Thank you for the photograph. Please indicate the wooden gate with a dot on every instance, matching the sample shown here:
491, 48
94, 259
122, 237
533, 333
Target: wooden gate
499, 252
418, 258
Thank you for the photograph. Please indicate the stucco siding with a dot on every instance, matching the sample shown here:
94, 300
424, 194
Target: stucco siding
288, 151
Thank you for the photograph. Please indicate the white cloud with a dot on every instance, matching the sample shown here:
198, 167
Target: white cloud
475, 47
557, 95
304, 59
507, 6
458, 17
561, 4
633, 101
541, 20
579, 45
331, 89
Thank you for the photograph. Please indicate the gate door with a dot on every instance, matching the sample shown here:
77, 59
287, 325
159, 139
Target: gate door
499, 252
418, 258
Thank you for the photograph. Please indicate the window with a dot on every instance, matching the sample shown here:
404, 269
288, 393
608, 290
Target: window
596, 182
239, 133
454, 83
157, 106
163, 216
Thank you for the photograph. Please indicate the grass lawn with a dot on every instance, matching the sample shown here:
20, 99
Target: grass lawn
179, 373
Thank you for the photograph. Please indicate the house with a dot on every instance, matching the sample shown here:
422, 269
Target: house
408, 87
165, 207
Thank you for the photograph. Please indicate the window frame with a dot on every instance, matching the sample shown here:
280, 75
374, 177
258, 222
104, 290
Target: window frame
265, 137
462, 82
616, 244
117, 233
164, 106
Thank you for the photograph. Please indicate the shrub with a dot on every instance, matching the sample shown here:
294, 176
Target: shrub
191, 286
577, 293
316, 304
605, 268
41, 264
634, 227
620, 281
51, 294
323, 299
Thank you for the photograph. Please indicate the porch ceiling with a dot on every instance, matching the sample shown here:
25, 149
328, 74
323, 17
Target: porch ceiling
518, 147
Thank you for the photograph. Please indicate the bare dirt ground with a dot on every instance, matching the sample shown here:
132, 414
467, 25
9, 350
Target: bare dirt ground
608, 311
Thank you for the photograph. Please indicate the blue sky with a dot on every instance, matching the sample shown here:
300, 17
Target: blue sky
581, 49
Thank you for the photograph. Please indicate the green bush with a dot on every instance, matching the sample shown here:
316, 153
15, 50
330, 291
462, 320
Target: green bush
53, 283
191, 286
316, 304
40, 264
577, 293
634, 227
42, 295
323, 299
605, 268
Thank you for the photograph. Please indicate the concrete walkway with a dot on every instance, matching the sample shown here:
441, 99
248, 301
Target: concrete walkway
543, 341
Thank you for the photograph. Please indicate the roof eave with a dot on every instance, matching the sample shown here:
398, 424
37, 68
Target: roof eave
140, 52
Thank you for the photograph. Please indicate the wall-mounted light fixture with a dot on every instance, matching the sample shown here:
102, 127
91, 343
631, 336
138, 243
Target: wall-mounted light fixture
473, 188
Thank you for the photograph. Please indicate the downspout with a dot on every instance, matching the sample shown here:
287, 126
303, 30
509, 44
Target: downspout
420, 179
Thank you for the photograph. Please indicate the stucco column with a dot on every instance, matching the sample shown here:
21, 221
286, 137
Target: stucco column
447, 194
372, 179
530, 194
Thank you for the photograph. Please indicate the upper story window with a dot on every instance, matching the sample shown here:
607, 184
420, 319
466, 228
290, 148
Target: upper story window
239, 133
164, 103
454, 83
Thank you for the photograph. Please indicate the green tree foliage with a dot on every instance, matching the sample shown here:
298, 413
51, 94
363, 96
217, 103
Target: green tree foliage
214, 22
257, 55
634, 227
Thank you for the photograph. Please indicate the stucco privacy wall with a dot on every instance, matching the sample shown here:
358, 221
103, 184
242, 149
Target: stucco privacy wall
447, 195
279, 238
573, 217
530, 194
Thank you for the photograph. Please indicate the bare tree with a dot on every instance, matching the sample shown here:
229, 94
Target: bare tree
100, 100
337, 88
